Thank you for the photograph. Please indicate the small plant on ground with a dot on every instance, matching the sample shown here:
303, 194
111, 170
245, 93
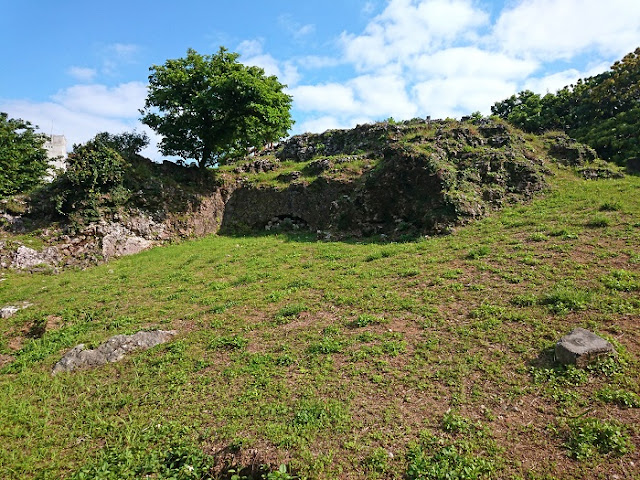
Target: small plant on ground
622, 398
564, 299
377, 461
598, 221
235, 342
286, 313
610, 207
621, 280
478, 252
366, 319
590, 436
433, 459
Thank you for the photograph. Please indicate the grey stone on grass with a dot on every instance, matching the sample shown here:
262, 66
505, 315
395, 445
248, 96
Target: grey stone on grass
112, 350
8, 311
580, 347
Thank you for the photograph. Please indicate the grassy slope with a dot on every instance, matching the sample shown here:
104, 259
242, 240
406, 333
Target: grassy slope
329, 356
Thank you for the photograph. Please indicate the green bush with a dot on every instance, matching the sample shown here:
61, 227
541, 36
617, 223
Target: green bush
161, 452
235, 342
94, 178
127, 144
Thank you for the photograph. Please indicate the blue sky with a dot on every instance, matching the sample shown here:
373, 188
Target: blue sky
78, 68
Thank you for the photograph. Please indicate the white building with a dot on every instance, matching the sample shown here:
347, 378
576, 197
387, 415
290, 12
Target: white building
56, 147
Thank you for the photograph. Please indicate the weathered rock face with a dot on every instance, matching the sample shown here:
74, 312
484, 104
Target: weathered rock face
581, 347
26, 258
112, 350
364, 138
570, 152
633, 165
256, 207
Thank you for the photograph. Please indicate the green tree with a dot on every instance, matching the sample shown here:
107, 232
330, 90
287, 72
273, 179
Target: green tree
602, 111
23, 160
127, 144
212, 108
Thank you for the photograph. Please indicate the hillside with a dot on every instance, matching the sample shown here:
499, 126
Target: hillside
357, 358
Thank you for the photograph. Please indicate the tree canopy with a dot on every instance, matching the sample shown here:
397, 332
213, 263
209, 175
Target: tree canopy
602, 111
23, 160
210, 108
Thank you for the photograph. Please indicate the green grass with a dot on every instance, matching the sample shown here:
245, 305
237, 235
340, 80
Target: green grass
353, 359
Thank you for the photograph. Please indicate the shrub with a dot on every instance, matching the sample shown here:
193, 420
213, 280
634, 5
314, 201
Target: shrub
437, 462
621, 280
127, 144
94, 177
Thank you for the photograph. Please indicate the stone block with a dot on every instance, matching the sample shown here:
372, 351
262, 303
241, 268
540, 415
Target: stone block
580, 347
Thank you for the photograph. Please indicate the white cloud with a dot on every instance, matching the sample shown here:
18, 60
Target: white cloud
296, 29
123, 51
122, 101
553, 29
83, 74
376, 96
305, 30
252, 54
315, 61
320, 124
453, 97
56, 118
472, 61
331, 97
250, 48
553, 82
407, 28
116, 54
81, 111
383, 96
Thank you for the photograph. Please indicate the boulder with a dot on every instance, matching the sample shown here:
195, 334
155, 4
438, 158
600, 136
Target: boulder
118, 245
112, 350
580, 347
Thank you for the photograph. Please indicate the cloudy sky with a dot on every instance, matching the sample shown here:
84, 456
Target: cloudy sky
77, 67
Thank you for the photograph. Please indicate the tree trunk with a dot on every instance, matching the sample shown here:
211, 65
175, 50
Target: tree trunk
206, 155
